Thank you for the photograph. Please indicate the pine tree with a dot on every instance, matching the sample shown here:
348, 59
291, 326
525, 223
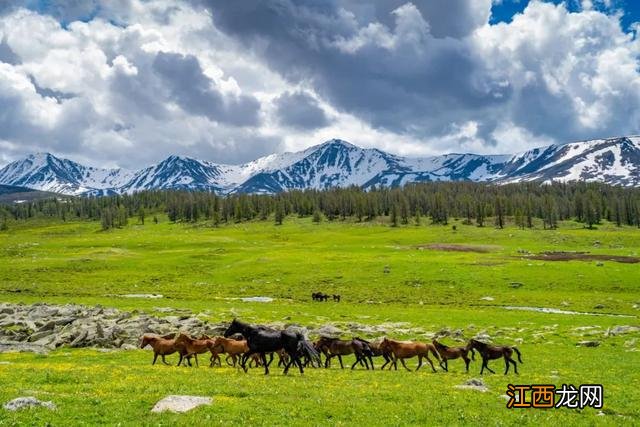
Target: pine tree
279, 215
317, 216
141, 215
394, 215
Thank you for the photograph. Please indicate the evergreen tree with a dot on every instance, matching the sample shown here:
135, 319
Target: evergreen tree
279, 215
141, 215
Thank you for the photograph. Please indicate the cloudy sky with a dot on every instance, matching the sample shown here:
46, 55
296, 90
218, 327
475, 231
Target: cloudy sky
129, 82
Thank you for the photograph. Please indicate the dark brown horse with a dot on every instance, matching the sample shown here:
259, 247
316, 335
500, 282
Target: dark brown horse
334, 347
408, 349
491, 352
449, 353
377, 351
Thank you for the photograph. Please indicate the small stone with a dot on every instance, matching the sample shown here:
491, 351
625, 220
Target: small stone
474, 384
26, 403
175, 403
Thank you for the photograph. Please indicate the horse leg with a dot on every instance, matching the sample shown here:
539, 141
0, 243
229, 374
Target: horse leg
430, 363
326, 362
488, 368
340, 359
196, 357
299, 363
264, 362
270, 358
403, 364
466, 363
358, 360
483, 365
419, 363
155, 357
245, 357
506, 363
373, 368
515, 365
386, 361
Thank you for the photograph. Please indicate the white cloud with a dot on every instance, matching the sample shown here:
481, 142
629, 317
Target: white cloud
413, 78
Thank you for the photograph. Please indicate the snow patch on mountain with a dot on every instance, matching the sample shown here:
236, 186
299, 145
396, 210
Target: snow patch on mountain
336, 163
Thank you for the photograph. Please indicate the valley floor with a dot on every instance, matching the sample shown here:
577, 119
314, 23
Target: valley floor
408, 282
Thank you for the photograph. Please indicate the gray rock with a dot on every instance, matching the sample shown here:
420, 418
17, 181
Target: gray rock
175, 403
27, 403
474, 384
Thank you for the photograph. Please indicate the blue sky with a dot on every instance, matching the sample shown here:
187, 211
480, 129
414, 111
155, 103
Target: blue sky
129, 82
503, 10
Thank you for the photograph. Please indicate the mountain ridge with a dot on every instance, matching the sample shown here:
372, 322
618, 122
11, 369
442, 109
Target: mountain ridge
336, 163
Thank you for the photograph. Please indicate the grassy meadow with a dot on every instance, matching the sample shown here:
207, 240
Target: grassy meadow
425, 278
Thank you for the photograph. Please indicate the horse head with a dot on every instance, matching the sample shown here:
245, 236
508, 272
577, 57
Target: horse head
235, 327
146, 340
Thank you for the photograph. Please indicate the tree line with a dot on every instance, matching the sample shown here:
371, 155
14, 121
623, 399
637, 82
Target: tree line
475, 203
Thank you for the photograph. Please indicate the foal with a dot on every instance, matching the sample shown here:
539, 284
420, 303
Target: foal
449, 353
408, 349
491, 352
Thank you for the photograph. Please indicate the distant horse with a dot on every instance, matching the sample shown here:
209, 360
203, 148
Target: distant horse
336, 298
491, 352
193, 346
162, 346
334, 347
449, 353
265, 340
408, 349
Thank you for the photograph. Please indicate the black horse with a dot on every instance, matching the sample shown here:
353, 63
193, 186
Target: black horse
263, 340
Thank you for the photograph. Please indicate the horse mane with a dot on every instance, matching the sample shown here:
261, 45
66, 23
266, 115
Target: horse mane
439, 344
361, 340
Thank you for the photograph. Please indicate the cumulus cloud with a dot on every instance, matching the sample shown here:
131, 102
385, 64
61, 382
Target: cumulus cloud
300, 110
127, 82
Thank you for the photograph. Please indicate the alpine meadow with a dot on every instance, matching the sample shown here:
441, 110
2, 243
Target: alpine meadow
319, 213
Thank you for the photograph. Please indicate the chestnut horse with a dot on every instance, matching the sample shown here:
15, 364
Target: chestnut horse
193, 346
449, 353
408, 349
491, 352
233, 348
162, 346
332, 347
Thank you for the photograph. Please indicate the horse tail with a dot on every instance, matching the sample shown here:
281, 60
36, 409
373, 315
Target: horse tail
307, 350
473, 354
518, 353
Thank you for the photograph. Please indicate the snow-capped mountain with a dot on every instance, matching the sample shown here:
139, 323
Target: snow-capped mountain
336, 163
44, 171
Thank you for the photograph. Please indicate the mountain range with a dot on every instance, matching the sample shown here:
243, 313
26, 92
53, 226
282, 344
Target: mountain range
336, 163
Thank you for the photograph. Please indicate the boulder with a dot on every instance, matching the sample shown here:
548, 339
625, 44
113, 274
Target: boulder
27, 403
176, 403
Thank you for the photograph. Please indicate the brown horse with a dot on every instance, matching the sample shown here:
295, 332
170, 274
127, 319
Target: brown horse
491, 352
162, 346
449, 353
193, 346
408, 349
233, 348
332, 347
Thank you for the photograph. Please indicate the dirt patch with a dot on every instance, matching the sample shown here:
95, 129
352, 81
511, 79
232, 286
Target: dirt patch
583, 256
453, 247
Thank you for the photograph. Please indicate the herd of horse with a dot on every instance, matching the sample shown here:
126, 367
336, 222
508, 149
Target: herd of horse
248, 345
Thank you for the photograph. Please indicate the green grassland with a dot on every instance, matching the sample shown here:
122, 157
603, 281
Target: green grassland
384, 275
